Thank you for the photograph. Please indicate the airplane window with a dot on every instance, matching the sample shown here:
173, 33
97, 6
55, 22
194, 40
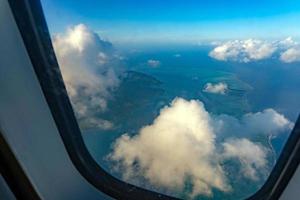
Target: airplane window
193, 99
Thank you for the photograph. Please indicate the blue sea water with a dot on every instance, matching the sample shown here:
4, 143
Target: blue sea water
144, 90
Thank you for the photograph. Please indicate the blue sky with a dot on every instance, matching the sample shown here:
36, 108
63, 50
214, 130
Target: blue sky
174, 21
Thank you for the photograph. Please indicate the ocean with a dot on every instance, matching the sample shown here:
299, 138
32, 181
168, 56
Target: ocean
183, 72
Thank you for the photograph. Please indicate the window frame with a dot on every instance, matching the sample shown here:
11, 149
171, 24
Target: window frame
13, 174
32, 25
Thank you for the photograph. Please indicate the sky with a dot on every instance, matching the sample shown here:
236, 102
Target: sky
175, 21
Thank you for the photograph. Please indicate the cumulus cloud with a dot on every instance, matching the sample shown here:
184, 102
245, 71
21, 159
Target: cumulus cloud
153, 63
267, 122
218, 88
290, 50
291, 55
243, 50
287, 43
253, 50
181, 145
88, 66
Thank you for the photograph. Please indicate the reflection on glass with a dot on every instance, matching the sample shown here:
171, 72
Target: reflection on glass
194, 100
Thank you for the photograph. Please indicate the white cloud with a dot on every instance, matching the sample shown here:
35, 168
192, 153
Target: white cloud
243, 50
153, 63
287, 43
253, 50
267, 122
252, 157
87, 64
291, 55
290, 50
180, 145
218, 88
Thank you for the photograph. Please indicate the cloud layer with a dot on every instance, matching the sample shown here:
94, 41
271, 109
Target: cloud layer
88, 65
218, 88
253, 50
180, 146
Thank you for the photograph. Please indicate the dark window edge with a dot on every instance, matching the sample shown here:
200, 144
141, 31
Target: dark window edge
14, 174
284, 168
30, 20
33, 28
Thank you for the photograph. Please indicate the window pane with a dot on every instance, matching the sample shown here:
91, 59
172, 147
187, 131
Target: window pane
191, 99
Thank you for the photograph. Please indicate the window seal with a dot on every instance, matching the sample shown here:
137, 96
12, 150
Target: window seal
32, 25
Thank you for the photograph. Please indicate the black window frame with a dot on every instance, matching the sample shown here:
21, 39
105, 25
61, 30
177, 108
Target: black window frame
32, 25
13, 173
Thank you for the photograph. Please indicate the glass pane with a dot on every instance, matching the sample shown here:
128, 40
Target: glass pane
194, 99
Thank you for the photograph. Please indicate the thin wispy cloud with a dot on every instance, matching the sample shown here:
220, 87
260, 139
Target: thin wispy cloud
153, 63
251, 156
